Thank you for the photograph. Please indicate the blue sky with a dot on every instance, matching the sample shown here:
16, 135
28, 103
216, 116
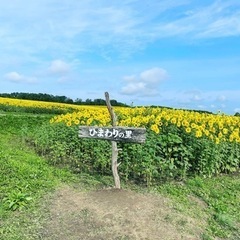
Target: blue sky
182, 54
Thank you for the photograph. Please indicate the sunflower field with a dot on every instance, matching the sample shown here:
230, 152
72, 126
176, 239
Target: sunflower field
180, 143
37, 107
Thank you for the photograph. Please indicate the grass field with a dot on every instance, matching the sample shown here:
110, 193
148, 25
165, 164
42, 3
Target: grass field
33, 193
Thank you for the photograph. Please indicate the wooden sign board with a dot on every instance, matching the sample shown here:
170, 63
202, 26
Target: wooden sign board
122, 134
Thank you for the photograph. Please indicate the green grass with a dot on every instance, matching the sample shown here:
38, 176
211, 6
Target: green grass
26, 178
218, 198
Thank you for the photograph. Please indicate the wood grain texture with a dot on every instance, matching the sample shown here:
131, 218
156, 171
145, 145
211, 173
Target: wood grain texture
123, 134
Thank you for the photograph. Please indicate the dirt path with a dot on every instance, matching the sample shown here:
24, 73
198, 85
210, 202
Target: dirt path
115, 214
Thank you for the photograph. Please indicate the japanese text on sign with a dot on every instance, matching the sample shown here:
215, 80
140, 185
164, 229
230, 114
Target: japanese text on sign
124, 134
110, 133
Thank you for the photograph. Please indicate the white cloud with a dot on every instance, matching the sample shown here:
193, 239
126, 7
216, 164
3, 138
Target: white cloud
70, 27
204, 99
131, 78
221, 98
201, 106
146, 84
59, 67
153, 75
134, 88
196, 97
212, 106
218, 19
223, 105
63, 79
14, 77
186, 97
18, 78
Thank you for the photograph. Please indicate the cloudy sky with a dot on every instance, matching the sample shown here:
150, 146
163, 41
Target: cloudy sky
182, 54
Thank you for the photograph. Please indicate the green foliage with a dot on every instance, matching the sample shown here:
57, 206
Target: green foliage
62, 146
171, 154
35, 110
16, 200
21, 124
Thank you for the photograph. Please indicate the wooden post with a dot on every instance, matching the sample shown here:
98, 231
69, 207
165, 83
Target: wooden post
114, 134
114, 145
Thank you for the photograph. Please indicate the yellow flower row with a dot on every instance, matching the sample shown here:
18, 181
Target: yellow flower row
216, 127
88, 115
39, 104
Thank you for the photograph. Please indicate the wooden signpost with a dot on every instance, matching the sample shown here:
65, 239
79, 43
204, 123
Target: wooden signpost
114, 134
118, 134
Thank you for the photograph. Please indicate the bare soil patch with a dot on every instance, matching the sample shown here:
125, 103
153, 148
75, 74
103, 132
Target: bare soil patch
116, 214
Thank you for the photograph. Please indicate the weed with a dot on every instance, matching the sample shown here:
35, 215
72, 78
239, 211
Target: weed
16, 200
